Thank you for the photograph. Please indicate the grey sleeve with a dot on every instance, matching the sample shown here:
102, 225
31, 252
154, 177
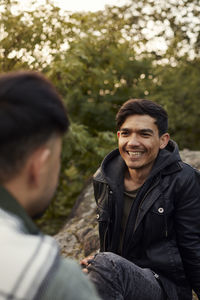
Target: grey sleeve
70, 283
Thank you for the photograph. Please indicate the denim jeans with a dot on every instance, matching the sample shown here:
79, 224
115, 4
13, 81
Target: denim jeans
116, 278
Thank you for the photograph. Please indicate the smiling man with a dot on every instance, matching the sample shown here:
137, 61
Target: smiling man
148, 204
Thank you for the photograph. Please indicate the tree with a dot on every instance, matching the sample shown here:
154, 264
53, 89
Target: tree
178, 89
145, 49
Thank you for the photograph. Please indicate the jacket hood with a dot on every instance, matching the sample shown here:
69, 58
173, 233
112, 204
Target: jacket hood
113, 166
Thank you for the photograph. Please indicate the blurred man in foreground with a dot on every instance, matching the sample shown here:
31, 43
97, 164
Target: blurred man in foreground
32, 122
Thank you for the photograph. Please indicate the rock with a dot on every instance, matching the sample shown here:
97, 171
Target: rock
79, 237
191, 157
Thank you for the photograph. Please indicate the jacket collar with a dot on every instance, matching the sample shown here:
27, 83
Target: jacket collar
167, 161
111, 170
10, 204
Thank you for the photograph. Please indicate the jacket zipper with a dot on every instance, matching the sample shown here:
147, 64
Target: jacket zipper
104, 239
137, 212
142, 202
106, 231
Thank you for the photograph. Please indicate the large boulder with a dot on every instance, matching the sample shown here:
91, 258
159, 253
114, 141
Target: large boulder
79, 237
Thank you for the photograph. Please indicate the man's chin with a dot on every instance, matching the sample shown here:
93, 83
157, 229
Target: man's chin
39, 215
134, 166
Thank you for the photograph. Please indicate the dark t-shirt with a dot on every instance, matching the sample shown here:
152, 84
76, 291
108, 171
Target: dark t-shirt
129, 197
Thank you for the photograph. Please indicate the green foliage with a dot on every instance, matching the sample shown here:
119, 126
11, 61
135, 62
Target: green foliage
81, 156
96, 77
145, 49
179, 90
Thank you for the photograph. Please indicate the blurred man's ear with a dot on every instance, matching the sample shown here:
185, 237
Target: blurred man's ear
37, 165
164, 139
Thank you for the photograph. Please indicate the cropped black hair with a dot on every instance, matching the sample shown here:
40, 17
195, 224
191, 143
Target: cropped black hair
143, 107
31, 111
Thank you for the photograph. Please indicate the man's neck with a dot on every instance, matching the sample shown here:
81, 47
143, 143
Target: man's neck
135, 178
15, 188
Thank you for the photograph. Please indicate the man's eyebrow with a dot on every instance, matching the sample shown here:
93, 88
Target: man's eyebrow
124, 129
146, 130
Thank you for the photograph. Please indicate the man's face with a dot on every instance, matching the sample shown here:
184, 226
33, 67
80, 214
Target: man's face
139, 141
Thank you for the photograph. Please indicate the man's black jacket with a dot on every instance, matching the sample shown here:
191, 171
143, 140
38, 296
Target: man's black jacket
163, 229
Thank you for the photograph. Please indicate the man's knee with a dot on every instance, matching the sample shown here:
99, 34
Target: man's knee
111, 262
104, 258
106, 255
107, 259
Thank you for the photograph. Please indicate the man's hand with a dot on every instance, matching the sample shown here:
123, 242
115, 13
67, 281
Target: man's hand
85, 263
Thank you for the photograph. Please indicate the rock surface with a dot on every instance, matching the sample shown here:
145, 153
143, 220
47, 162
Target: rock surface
79, 237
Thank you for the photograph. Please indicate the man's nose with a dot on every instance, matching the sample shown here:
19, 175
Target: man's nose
134, 141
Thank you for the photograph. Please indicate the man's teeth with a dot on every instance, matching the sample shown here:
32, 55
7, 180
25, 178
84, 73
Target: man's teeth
134, 153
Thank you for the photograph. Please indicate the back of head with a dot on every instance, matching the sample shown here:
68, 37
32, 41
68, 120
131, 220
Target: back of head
143, 107
31, 111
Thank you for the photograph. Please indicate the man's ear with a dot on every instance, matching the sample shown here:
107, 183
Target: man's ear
118, 134
164, 139
37, 164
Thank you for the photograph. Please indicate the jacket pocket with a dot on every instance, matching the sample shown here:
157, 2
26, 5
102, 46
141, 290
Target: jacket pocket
156, 223
102, 215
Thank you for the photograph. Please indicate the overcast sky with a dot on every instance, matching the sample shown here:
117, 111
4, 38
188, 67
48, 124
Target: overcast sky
87, 5
76, 5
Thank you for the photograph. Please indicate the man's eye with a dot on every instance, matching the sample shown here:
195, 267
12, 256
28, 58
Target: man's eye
124, 133
145, 134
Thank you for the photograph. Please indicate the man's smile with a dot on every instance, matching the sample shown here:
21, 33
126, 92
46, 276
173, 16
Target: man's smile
135, 153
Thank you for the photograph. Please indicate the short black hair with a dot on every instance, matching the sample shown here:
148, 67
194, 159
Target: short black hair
31, 111
143, 107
